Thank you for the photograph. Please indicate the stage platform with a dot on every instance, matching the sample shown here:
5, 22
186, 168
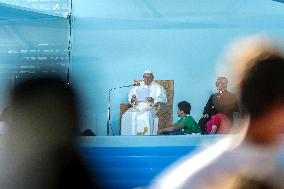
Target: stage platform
147, 141
134, 161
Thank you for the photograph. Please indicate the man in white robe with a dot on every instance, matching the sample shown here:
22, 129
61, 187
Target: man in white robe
141, 119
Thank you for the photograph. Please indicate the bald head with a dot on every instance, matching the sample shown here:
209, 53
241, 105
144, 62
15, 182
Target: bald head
221, 83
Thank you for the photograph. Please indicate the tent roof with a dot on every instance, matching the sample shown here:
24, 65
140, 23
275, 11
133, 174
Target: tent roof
15, 13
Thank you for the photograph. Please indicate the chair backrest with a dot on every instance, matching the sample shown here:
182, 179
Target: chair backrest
165, 113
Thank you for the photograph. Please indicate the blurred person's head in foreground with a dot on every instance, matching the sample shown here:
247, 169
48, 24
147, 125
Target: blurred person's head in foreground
44, 113
258, 69
40, 145
4, 118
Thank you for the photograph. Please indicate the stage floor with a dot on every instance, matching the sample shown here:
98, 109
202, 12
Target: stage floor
148, 141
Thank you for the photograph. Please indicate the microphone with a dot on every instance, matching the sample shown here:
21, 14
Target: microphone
135, 84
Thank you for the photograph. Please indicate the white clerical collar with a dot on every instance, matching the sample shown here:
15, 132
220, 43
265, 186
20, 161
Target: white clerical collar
222, 91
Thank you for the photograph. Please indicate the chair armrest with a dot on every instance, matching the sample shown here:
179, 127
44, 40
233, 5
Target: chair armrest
160, 106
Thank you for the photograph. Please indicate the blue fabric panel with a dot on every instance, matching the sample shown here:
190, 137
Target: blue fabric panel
130, 161
137, 151
125, 184
126, 174
130, 167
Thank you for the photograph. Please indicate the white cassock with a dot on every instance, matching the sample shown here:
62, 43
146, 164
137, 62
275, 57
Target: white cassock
141, 119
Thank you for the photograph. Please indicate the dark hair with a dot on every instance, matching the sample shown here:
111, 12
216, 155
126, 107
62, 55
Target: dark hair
47, 104
5, 114
262, 86
184, 106
45, 118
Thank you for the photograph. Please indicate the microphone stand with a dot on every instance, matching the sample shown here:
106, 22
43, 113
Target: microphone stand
108, 107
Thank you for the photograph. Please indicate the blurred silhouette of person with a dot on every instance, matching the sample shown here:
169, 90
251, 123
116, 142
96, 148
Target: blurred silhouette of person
223, 101
258, 69
4, 117
40, 149
185, 125
244, 182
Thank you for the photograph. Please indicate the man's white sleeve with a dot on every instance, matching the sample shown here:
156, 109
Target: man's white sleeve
131, 93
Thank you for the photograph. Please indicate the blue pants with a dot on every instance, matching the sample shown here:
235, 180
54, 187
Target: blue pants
177, 132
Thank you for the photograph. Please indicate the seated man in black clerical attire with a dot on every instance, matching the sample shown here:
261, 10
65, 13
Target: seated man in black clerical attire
223, 102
